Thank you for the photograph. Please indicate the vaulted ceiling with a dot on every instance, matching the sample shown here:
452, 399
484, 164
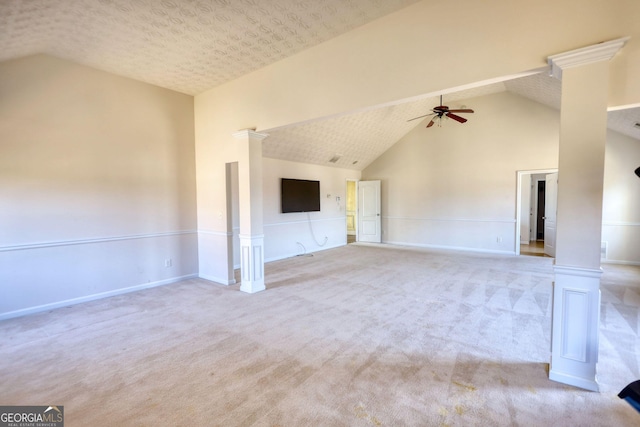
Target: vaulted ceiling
185, 45
191, 46
362, 137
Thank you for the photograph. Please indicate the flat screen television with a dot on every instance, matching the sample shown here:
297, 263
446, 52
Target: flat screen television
300, 195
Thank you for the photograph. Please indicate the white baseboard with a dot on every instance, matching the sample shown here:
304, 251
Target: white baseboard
220, 280
585, 383
452, 248
73, 301
613, 261
291, 255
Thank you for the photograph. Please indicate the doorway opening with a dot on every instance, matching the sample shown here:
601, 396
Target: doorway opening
232, 218
364, 223
351, 210
541, 187
536, 210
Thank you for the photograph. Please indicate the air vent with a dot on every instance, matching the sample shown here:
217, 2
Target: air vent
335, 158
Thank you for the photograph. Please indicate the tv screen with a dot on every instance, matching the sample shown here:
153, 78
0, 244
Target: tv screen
299, 195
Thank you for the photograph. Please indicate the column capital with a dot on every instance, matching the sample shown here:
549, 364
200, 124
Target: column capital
574, 58
249, 133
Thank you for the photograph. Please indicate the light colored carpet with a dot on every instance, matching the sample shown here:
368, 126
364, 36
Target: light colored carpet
356, 336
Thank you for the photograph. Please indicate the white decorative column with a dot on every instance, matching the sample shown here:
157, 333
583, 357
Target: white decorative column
576, 291
250, 200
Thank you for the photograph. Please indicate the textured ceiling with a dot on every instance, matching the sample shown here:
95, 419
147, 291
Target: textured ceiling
362, 137
545, 90
624, 121
185, 45
193, 45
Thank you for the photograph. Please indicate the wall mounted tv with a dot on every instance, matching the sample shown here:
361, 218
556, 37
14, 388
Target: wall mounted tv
300, 195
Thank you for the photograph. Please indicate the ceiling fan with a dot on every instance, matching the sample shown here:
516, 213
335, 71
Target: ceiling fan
443, 110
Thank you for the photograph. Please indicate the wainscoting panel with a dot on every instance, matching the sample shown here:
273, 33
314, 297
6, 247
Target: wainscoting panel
574, 334
623, 242
214, 248
474, 234
42, 276
303, 235
575, 326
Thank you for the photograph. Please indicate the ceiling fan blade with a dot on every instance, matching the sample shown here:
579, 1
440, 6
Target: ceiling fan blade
433, 121
456, 118
419, 117
463, 110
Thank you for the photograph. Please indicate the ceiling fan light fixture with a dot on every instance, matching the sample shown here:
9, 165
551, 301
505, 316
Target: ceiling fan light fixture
443, 111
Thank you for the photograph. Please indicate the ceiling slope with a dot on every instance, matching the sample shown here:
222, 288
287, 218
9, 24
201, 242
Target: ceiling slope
185, 45
191, 46
359, 138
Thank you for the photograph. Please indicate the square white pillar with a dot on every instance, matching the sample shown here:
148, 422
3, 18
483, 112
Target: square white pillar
576, 294
250, 203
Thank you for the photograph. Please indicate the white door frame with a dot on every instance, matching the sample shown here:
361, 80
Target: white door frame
520, 175
550, 214
355, 196
534, 223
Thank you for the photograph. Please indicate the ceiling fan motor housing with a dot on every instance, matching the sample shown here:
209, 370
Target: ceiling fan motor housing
443, 111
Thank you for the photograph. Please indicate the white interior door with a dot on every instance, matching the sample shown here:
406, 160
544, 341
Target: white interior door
550, 210
369, 227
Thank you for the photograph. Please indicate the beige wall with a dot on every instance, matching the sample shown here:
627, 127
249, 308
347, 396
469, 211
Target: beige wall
315, 230
97, 183
455, 185
405, 54
92, 157
621, 201
398, 56
291, 234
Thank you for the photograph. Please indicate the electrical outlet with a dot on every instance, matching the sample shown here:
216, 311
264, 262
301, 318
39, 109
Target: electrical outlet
167, 262
499, 239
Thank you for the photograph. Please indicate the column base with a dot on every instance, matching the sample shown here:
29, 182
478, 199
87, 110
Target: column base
575, 327
251, 288
252, 263
584, 383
